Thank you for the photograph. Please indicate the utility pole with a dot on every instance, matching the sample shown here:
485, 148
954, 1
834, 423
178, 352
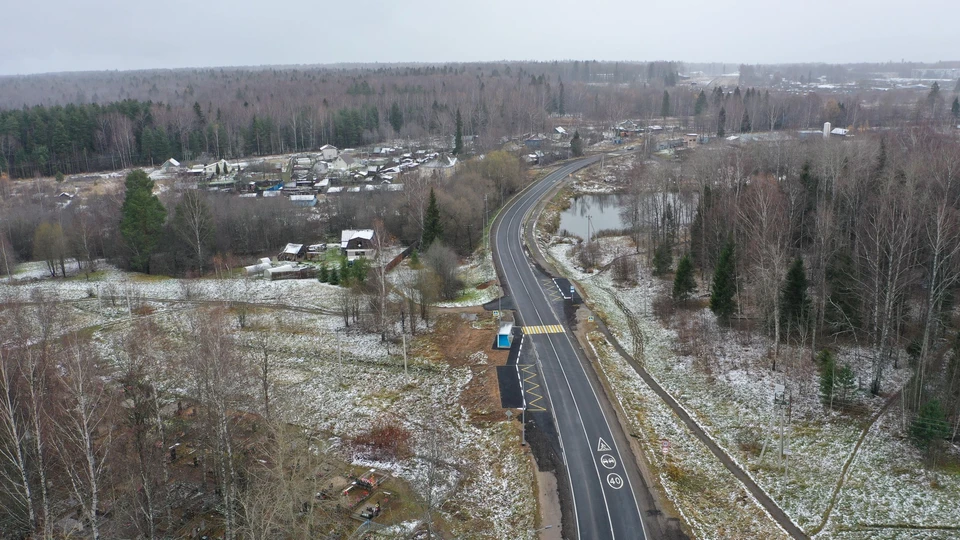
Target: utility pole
523, 414
403, 336
589, 225
339, 356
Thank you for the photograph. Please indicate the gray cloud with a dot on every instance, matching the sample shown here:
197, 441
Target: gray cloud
64, 35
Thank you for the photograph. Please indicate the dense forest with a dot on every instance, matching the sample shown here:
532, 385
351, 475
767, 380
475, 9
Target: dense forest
71, 123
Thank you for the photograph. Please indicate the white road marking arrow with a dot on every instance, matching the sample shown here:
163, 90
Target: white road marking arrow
602, 446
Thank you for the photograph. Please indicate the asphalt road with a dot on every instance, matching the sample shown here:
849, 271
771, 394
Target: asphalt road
604, 502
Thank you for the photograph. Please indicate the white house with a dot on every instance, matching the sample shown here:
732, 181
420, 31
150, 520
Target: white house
357, 244
329, 152
170, 165
343, 163
217, 166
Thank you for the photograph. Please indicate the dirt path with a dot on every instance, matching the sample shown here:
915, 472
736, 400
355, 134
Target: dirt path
846, 466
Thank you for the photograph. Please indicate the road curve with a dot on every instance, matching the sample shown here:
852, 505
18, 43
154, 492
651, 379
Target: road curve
604, 502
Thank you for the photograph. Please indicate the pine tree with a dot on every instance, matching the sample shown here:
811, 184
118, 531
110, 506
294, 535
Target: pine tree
745, 123
955, 108
59, 177
722, 302
794, 302
415, 260
324, 275
432, 226
721, 122
141, 221
683, 282
458, 137
334, 277
665, 105
576, 144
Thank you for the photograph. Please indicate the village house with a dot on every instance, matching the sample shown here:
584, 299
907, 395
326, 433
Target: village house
343, 163
329, 152
170, 166
215, 168
357, 244
293, 252
305, 201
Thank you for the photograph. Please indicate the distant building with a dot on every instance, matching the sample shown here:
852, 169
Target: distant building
170, 165
306, 201
826, 129
293, 252
329, 152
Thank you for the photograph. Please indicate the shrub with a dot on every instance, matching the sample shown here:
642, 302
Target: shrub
386, 440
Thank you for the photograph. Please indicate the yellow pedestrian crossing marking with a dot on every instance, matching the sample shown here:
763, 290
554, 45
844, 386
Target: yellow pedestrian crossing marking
532, 388
546, 329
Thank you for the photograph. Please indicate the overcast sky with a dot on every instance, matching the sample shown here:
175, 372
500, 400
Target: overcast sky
67, 35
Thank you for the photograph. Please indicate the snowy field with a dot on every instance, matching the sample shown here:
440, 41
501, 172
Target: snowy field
337, 380
722, 378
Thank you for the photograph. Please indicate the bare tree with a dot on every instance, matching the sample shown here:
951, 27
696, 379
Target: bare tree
14, 471
84, 428
766, 228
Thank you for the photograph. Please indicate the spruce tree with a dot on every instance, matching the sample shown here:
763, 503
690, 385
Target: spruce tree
396, 117
794, 302
722, 122
846, 382
344, 273
141, 220
561, 105
683, 282
722, 302
458, 136
324, 275
334, 277
432, 226
700, 105
665, 105
929, 425
662, 258
955, 108
745, 123
576, 144
828, 368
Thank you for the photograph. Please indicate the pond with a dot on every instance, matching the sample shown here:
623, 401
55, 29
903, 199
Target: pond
602, 211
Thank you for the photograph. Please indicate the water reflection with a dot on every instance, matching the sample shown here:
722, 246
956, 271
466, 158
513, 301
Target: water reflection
604, 209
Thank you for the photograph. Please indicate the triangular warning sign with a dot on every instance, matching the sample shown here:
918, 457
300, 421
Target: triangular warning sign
602, 446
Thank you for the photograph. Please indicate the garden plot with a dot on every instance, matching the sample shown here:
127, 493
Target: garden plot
482, 477
723, 379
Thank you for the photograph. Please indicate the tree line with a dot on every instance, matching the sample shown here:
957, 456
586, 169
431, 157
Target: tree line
192, 114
